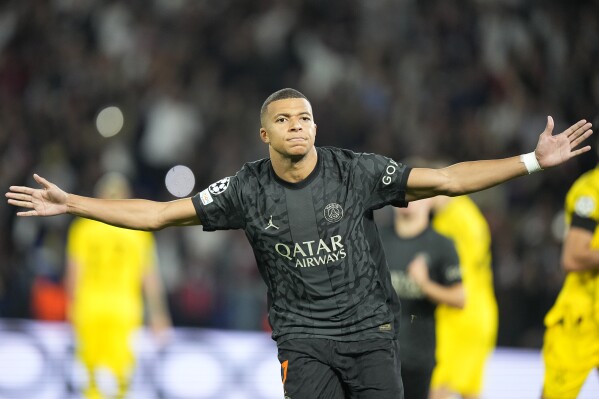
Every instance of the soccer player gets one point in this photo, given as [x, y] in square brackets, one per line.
[425, 271]
[465, 337]
[308, 214]
[108, 271]
[571, 342]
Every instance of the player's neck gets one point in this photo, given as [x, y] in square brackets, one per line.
[409, 227]
[294, 169]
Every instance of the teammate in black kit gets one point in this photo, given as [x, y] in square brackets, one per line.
[308, 213]
[425, 271]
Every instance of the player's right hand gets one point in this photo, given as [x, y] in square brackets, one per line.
[418, 269]
[46, 201]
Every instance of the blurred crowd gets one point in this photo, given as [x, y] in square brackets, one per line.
[447, 80]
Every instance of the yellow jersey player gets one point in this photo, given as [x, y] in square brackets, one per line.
[108, 269]
[571, 343]
[465, 337]
[308, 213]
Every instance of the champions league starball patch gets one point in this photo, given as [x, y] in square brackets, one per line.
[220, 186]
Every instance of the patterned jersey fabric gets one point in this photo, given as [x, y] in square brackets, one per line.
[315, 242]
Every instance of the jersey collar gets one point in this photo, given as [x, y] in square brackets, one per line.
[303, 183]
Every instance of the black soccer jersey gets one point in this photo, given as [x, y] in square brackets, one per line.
[315, 241]
[417, 332]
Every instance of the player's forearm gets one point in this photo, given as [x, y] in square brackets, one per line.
[158, 313]
[452, 296]
[154, 291]
[158, 310]
[580, 261]
[136, 214]
[578, 253]
[462, 178]
[473, 176]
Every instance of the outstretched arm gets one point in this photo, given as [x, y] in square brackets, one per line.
[134, 214]
[467, 177]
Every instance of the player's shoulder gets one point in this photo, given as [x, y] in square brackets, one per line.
[437, 238]
[85, 228]
[465, 203]
[346, 153]
[76, 226]
[253, 177]
[588, 179]
[586, 184]
[583, 195]
[469, 209]
[81, 224]
[253, 171]
[464, 213]
[359, 167]
[341, 154]
[258, 166]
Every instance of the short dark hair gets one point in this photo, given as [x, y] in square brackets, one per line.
[282, 94]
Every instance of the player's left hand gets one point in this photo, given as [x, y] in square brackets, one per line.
[553, 150]
[161, 330]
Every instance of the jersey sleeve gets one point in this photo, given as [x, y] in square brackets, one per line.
[383, 180]
[450, 263]
[583, 207]
[219, 206]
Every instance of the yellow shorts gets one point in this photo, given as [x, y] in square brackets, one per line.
[106, 342]
[464, 342]
[570, 352]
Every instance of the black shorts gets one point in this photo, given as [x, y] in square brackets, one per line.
[326, 369]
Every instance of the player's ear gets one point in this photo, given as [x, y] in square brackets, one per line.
[264, 136]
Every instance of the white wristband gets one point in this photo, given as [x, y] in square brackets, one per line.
[531, 163]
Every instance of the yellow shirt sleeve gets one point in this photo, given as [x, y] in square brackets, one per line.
[577, 296]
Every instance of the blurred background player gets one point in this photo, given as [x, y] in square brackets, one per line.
[571, 344]
[465, 337]
[425, 272]
[108, 271]
[309, 304]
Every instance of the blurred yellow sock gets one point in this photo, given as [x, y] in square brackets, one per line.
[93, 393]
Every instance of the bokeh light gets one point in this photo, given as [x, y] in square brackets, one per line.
[110, 121]
[179, 181]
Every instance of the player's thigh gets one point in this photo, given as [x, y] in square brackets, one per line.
[109, 345]
[416, 383]
[90, 340]
[370, 369]
[303, 372]
[464, 374]
[461, 361]
[570, 352]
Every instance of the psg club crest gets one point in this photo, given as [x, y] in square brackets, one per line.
[219, 187]
[333, 212]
